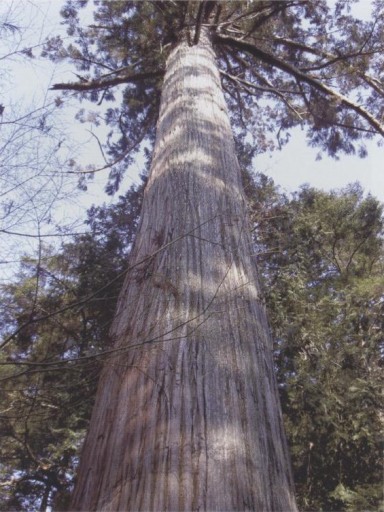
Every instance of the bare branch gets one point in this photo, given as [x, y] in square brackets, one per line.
[301, 76]
[272, 90]
[93, 295]
[373, 82]
[102, 82]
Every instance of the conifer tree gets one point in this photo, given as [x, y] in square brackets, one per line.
[326, 320]
[321, 262]
[54, 323]
[187, 414]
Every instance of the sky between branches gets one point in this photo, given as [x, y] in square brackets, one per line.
[295, 165]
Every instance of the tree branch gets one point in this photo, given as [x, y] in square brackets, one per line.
[199, 22]
[373, 82]
[271, 90]
[102, 82]
[94, 294]
[301, 76]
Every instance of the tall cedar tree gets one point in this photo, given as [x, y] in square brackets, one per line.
[187, 415]
[327, 325]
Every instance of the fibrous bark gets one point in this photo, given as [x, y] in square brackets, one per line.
[187, 414]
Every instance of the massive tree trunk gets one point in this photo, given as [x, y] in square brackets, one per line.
[187, 415]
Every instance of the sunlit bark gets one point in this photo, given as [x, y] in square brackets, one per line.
[190, 419]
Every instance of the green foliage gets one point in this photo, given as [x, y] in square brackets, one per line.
[321, 259]
[283, 64]
[54, 324]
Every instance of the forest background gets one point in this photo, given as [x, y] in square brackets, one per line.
[320, 255]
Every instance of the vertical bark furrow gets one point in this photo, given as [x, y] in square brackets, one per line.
[196, 423]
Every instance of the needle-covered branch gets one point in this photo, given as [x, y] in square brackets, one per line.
[332, 59]
[296, 73]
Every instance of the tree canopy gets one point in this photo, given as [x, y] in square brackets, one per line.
[320, 258]
[283, 64]
[54, 326]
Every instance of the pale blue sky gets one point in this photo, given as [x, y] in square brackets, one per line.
[24, 85]
[296, 164]
[293, 166]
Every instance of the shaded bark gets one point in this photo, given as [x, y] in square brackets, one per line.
[190, 420]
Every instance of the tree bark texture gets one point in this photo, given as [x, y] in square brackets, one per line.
[187, 415]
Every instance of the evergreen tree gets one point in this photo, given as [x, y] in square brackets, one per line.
[327, 334]
[321, 258]
[54, 327]
[187, 413]
[282, 64]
